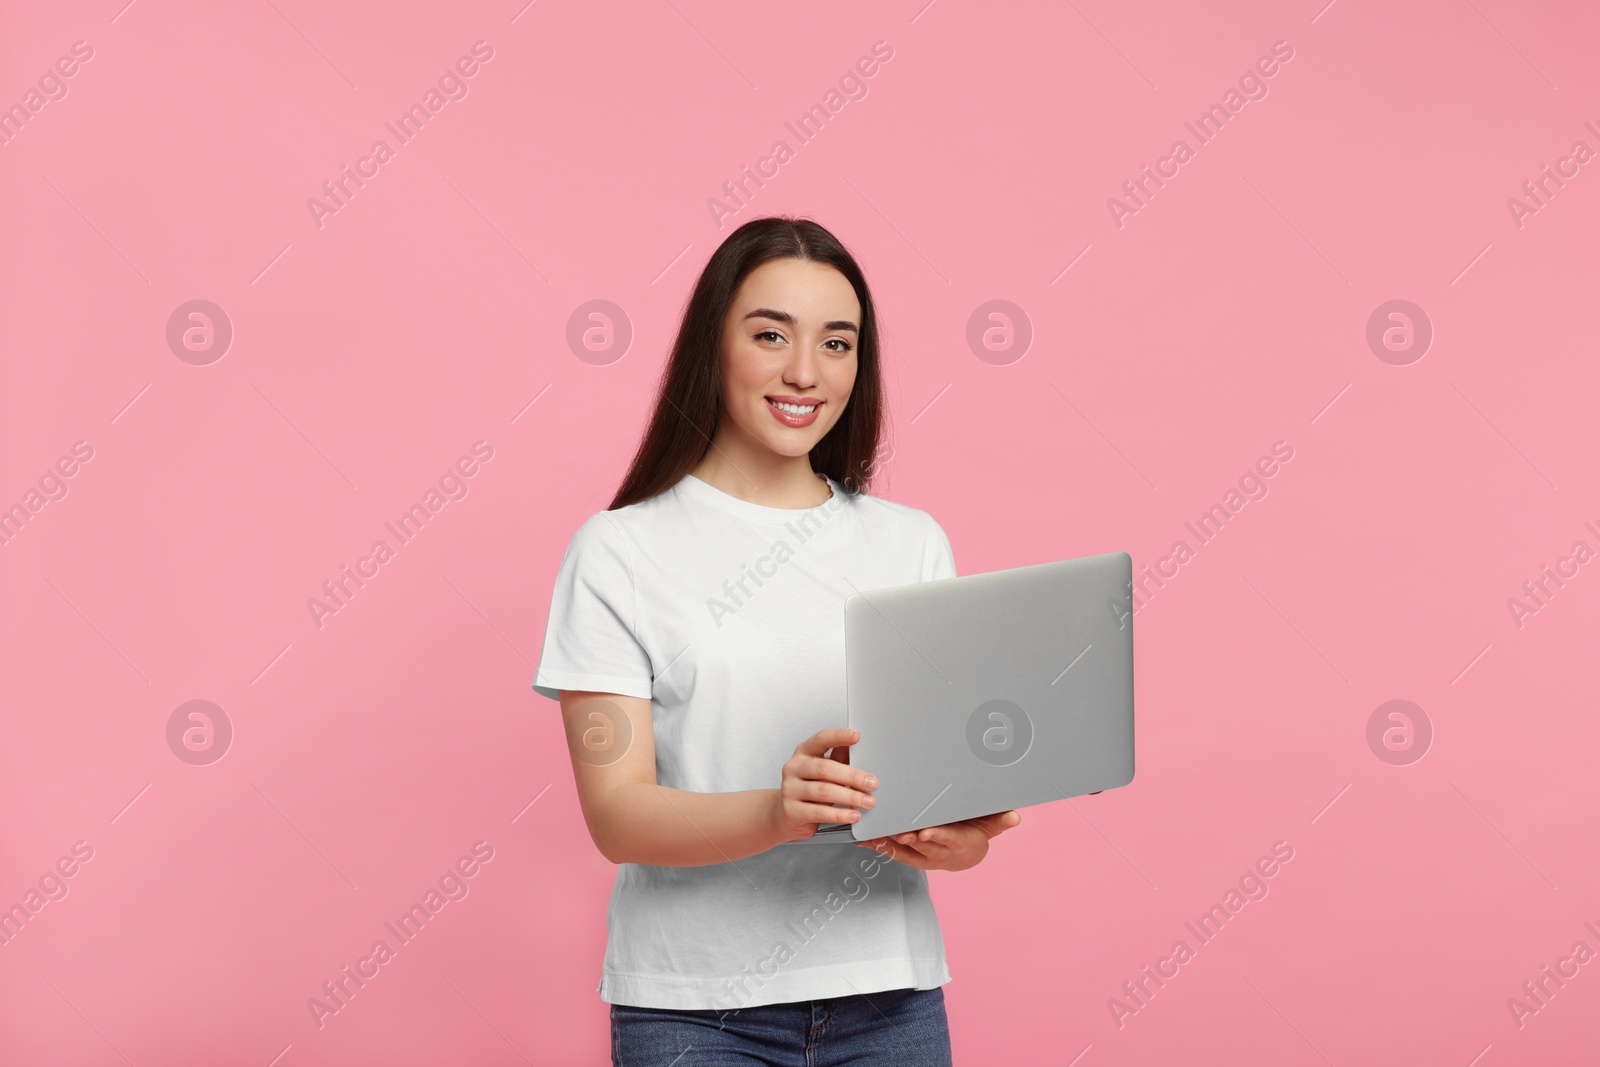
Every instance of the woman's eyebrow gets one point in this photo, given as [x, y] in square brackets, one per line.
[788, 319]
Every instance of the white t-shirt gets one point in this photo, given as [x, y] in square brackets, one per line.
[729, 617]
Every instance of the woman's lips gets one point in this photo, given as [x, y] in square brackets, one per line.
[793, 420]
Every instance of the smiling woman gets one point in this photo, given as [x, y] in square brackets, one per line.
[707, 747]
[789, 364]
[789, 317]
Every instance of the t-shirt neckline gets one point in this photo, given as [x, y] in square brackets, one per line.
[710, 494]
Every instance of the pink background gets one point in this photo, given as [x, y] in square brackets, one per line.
[369, 354]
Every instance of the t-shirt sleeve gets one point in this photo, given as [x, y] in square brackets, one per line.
[938, 560]
[590, 640]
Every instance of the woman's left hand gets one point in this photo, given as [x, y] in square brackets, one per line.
[951, 847]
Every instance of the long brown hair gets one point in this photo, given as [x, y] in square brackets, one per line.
[689, 400]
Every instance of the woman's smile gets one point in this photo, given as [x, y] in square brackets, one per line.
[796, 411]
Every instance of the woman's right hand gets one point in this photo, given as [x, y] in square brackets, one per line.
[814, 781]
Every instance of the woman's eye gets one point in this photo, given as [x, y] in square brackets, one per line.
[777, 338]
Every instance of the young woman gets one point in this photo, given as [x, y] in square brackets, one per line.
[696, 644]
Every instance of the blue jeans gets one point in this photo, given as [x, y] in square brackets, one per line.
[894, 1028]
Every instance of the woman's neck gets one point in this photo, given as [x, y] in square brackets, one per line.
[760, 475]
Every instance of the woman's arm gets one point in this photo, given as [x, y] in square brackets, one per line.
[633, 819]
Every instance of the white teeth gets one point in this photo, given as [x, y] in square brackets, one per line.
[793, 409]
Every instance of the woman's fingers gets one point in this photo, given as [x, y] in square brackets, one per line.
[810, 762]
[819, 785]
[939, 836]
[819, 742]
[822, 813]
[827, 770]
[803, 803]
[835, 794]
[816, 779]
[998, 823]
[820, 769]
[927, 851]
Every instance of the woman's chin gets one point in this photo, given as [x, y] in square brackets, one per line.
[792, 448]
[789, 442]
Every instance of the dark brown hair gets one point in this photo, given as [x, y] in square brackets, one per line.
[689, 400]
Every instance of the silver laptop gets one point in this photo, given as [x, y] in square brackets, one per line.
[987, 692]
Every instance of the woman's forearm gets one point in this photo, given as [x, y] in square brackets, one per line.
[642, 822]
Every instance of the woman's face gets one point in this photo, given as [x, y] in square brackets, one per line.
[789, 338]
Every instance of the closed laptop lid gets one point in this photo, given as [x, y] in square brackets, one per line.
[986, 692]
